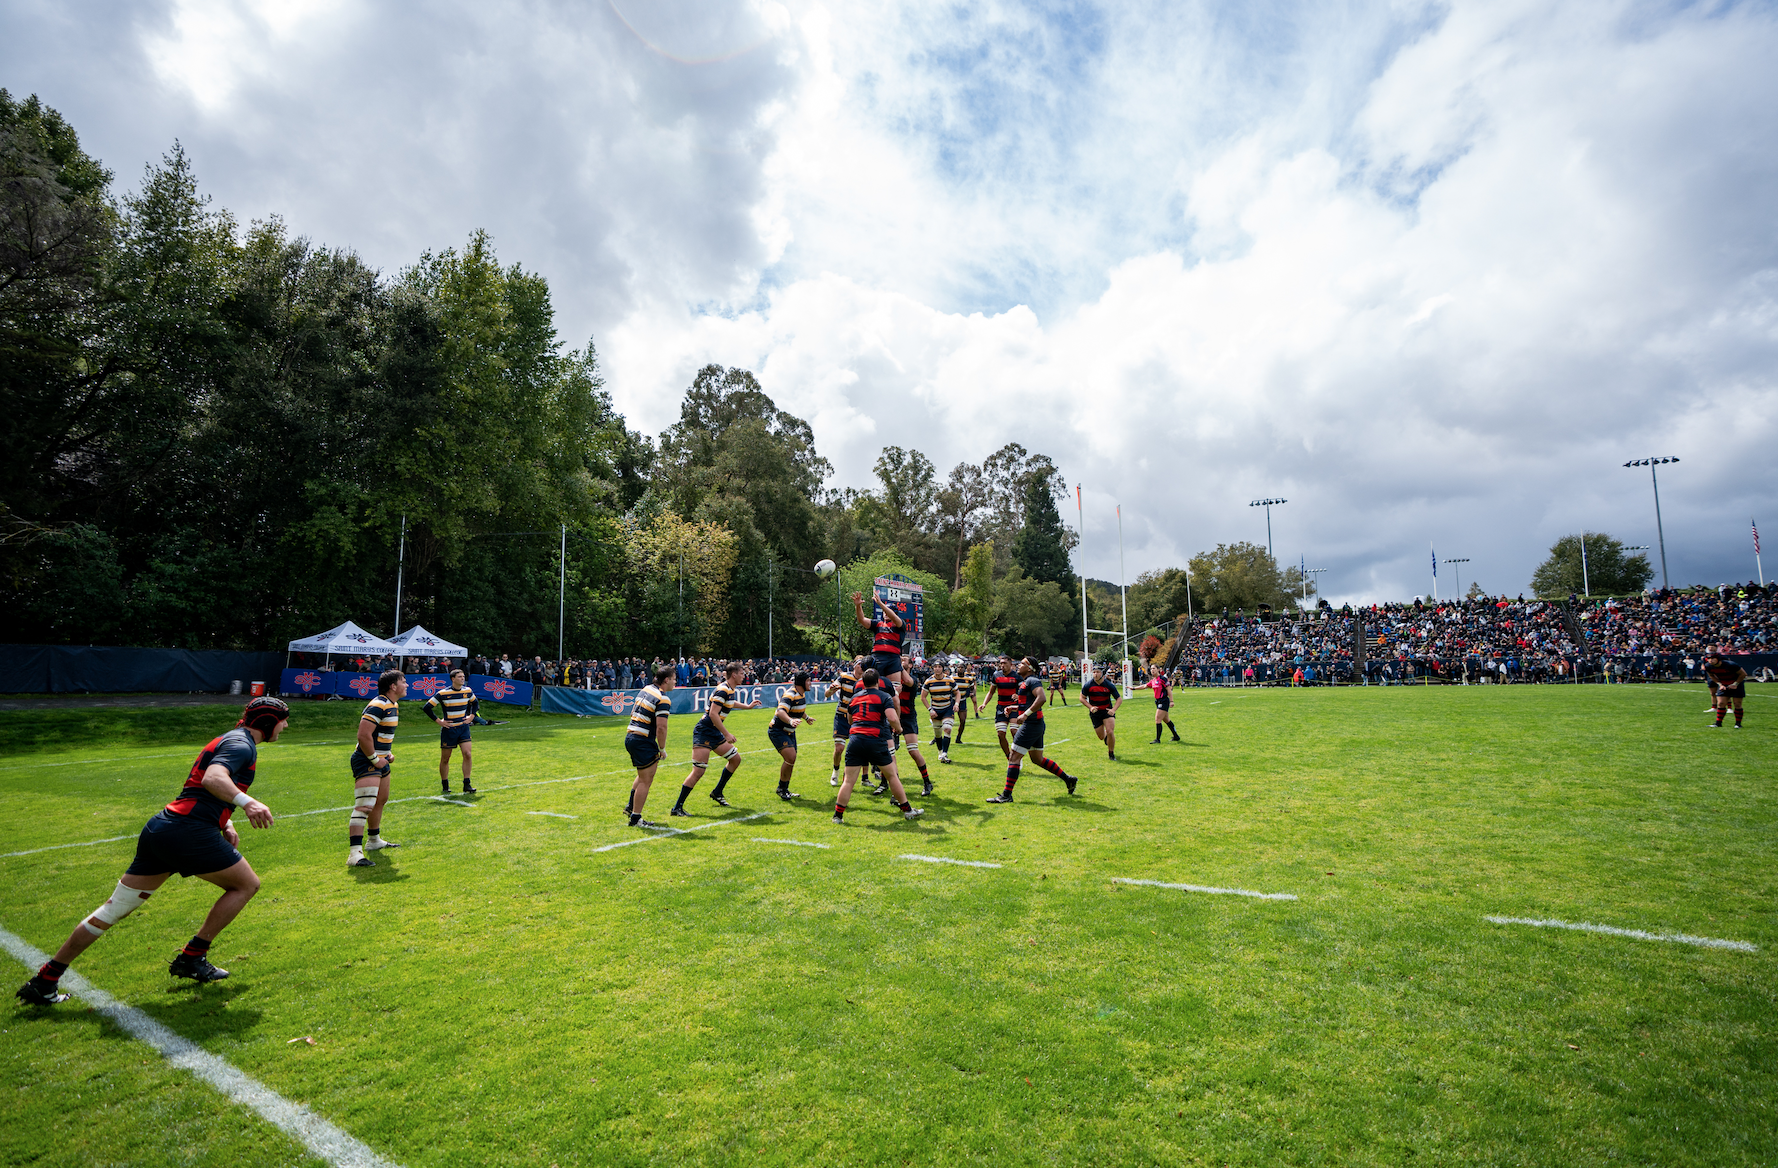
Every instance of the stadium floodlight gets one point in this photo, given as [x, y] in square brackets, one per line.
[1268, 504]
[1459, 560]
[1307, 572]
[1660, 536]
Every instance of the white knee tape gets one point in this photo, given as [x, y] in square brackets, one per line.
[950, 724]
[364, 797]
[124, 901]
[1017, 749]
[732, 752]
[699, 766]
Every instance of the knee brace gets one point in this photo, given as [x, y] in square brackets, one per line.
[124, 901]
[733, 753]
[699, 767]
[363, 799]
[1017, 750]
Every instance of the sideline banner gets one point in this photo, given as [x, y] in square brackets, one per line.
[420, 686]
[621, 702]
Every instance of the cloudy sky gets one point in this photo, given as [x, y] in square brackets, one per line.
[1431, 272]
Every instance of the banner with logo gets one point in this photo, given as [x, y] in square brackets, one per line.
[622, 702]
[420, 686]
[501, 689]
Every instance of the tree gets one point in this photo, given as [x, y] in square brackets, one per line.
[1036, 616]
[1237, 576]
[975, 600]
[1157, 597]
[961, 504]
[1608, 571]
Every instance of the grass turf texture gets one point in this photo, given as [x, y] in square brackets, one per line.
[496, 992]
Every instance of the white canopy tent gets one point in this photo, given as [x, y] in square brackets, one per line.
[348, 638]
[417, 641]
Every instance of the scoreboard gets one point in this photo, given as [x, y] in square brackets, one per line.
[908, 600]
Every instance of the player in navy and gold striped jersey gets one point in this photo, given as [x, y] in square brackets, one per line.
[370, 768]
[646, 739]
[793, 710]
[454, 711]
[1059, 680]
[843, 688]
[940, 696]
[712, 733]
[965, 681]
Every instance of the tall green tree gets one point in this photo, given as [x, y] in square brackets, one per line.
[1608, 571]
[1237, 576]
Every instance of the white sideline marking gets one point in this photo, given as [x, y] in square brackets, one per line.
[1638, 934]
[452, 802]
[82, 844]
[666, 832]
[320, 1137]
[799, 843]
[557, 814]
[1209, 889]
[948, 860]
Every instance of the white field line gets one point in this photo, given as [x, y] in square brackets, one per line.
[452, 802]
[1638, 934]
[1209, 889]
[25, 766]
[553, 814]
[799, 843]
[668, 832]
[948, 860]
[321, 1138]
[404, 799]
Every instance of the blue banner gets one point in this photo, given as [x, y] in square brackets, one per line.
[501, 689]
[620, 702]
[420, 686]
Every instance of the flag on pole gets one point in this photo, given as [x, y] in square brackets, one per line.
[1434, 563]
[1756, 537]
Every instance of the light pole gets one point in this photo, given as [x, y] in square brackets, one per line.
[1660, 536]
[1268, 504]
[1460, 560]
[1307, 572]
[1640, 547]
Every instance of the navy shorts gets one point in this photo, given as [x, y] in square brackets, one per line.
[449, 736]
[910, 724]
[1029, 736]
[1098, 717]
[862, 751]
[704, 734]
[842, 727]
[887, 665]
[182, 844]
[940, 713]
[1003, 716]
[643, 751]
[782, 739]
[362, 766]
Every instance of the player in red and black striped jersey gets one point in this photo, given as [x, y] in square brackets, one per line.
[874, 720]
[1028, 733]
[192, 836]
[1005, 686]
[843, 688]
[910, 733]
[887, 631]
[1728, 685]
[1103, 701]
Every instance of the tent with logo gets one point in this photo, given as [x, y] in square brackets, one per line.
[348, 638]
[418, 642]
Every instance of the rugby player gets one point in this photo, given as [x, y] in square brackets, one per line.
[1163, 705]
[1027, 739]
[843, 687]
[792, 709]
[873, 719]
[965, 697]
[1006, 701]
[886, 633]
[1059, 680]
[1103, 702]
[370, 768]
[192, 836]
[459, 706]
[1728, 685]
[940, 696]
[910, 734]
[712, 733]
[646, 739]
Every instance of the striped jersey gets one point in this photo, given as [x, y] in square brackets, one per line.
[385, 714]
[792, 704]
[1099, 694]
[966, 688]
[1059, 674]
[886, 636]
[453, 704]
[1029, 692]
[722, 700]
[235, 750]
[904, 702]
[870, 714]
[1006, 690]
[652, 706]
[842, 688]
[941, 692]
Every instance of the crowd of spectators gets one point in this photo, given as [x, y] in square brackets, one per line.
[636, 672]
[1659, 635]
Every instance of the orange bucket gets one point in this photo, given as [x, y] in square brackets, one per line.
[258, 689]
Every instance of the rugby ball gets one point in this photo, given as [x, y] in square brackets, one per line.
[825, 569]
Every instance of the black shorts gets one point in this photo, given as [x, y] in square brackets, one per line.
[704, 734]
[781, 738]
[1003, 715]
[842, 727]
[644, 751]
[863, 751]
[1099, 717]
[1732, 691]
[887, 665]
[910, 724]
[362, 766]
[182, 844]
[449, 736]
[1164, 701]
[1029, 736]
[940, 713]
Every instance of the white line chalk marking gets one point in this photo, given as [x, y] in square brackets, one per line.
[948, 860]
[1209, 889]
[667, 832]
[555, 814]
[452, 802]
[320, 1137]
[799, 843]
[83, 844]
[1638, 934]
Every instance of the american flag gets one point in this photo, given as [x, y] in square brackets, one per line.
[1756, 537]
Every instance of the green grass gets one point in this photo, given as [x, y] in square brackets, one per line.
[496, 992]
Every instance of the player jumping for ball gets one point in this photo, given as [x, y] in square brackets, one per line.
[887, 633]
[873, 720]
[1027, 739]
[192, 836]
[1728, 685]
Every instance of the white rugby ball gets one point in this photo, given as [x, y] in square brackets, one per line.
[825, 569]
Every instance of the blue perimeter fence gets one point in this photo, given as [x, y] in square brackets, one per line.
[107, 669]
